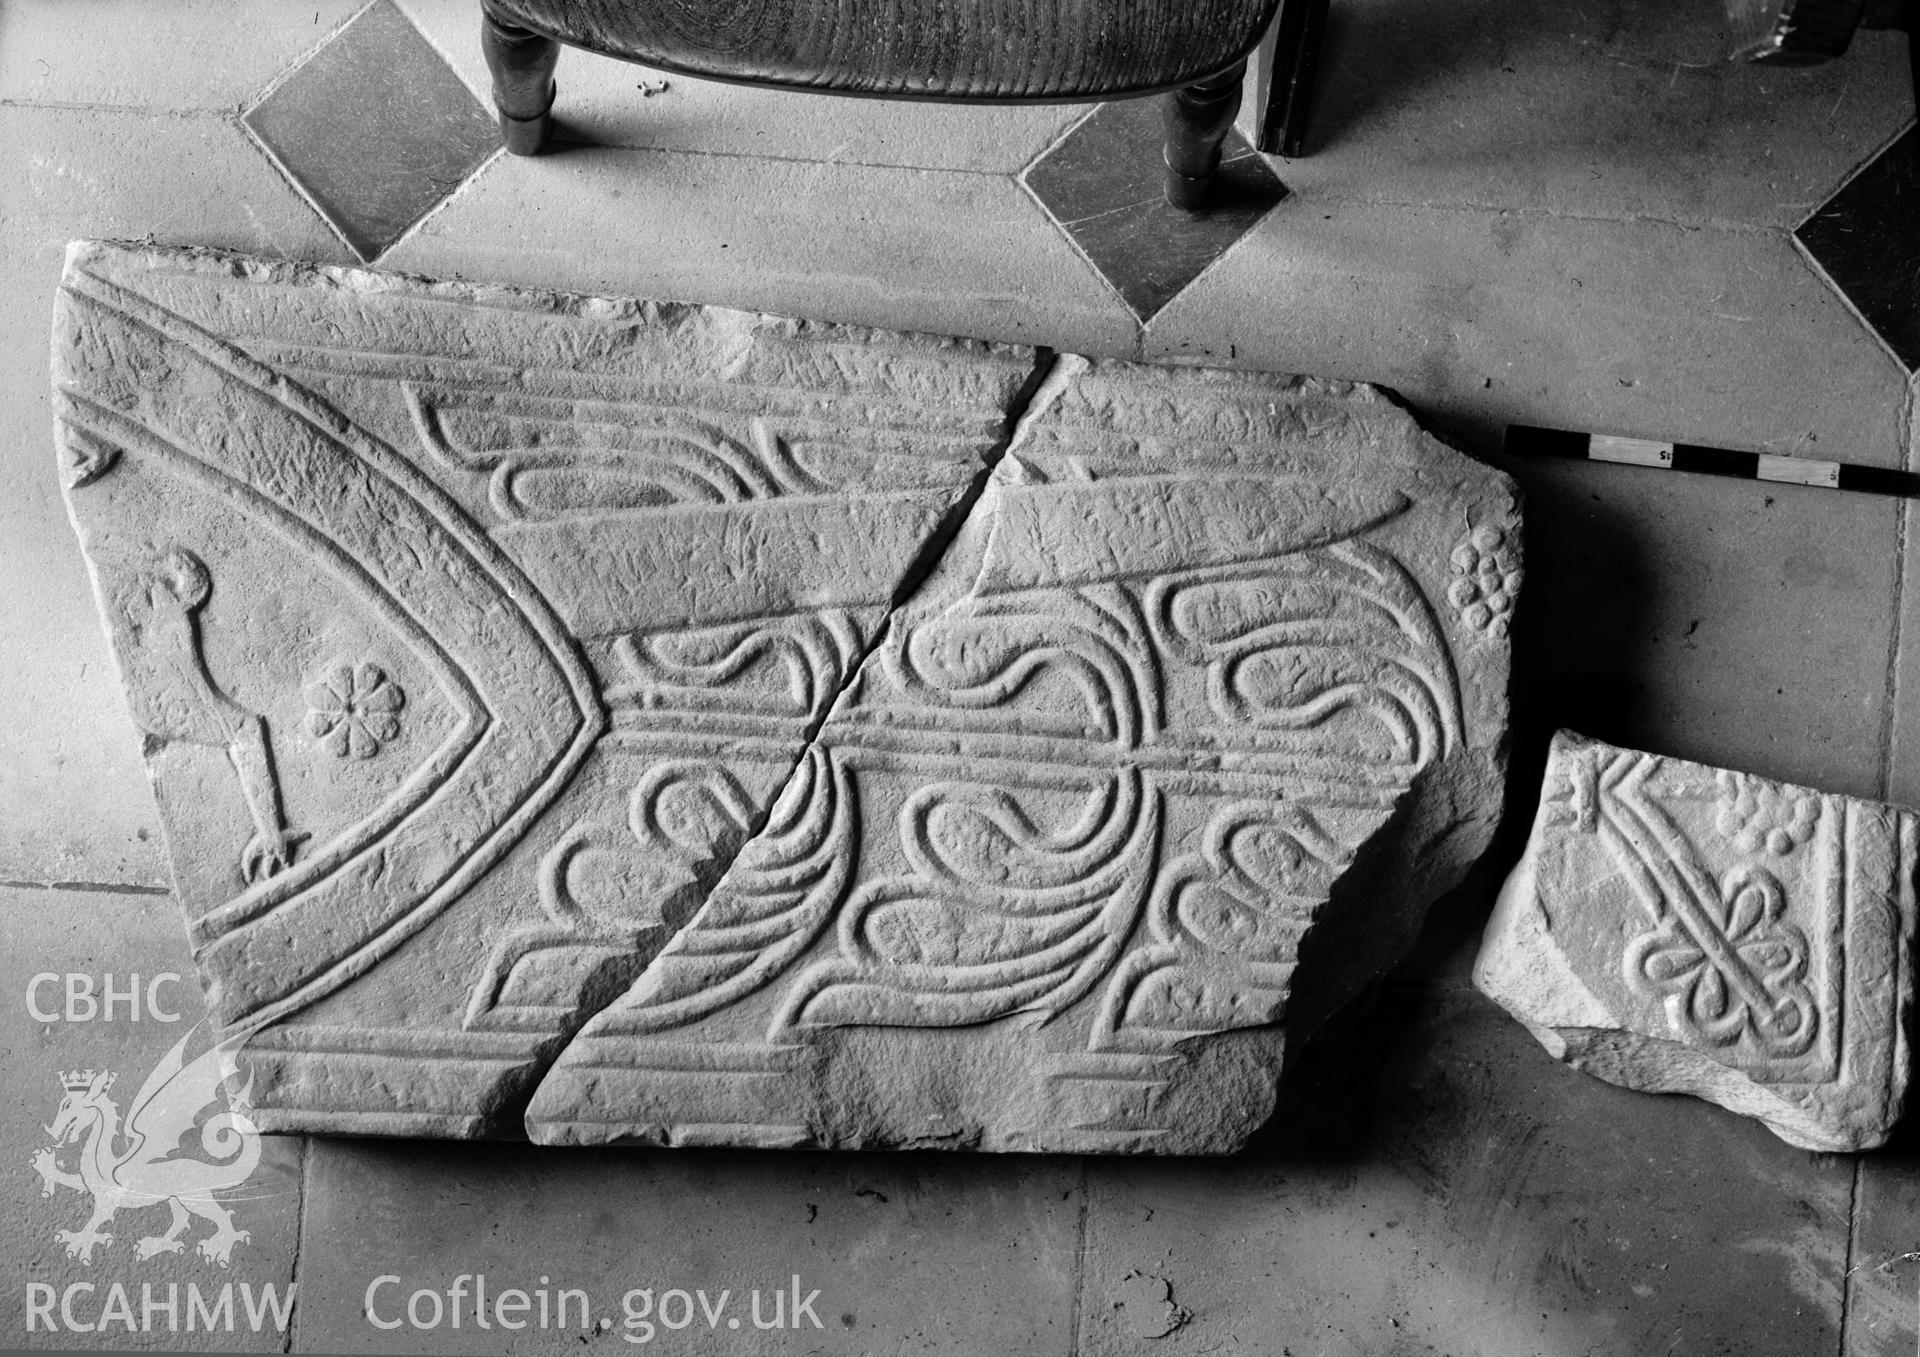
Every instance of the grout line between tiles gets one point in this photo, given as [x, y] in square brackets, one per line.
[248, 105]
[279, 167]
[1859, 168]
[1909, 423]
[1889, 715]
[1140, 322]
[1144, 343]
[1113, 289]
[1546, 213]
[94, 887]
[207, 114]
[1840, 294]
[499, 154]
[414, 227]
[406, 11]
[1076, 1335]
[1054, 144]
[1846, 1266]
[289, 1343]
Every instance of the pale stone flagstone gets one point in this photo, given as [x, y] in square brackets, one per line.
[1684, 929]
[634, 721]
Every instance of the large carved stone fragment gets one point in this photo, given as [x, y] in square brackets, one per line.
[471, 632]
[1198, 711]
[573, 713]
[1684, 929]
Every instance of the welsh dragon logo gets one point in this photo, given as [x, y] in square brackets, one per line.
[131, 1166]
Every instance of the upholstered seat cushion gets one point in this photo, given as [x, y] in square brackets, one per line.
[930, 49]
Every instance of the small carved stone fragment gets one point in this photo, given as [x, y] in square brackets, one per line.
[1684, 929]
[636, 722]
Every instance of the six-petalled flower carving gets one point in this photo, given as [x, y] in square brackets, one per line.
[354, 709]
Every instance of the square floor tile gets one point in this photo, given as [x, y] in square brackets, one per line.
[1863, 238]
[376, 128]
[1103, 184]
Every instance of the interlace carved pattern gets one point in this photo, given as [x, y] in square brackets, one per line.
[1333, 660]
[802, 660]
[998, 915]
[1309, 664]
[546, 459]
[770, 907]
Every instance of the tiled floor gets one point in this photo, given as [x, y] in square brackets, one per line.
[1572, 216]
[1857, 238]
[1101, 182]
[375, 128]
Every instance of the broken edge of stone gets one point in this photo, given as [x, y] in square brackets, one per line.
[1522, 968]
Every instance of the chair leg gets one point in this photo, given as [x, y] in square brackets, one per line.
[522, 63]
[1197, 120]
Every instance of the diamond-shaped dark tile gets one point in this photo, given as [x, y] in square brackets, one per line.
[376, 128]
[1867, 239]
[1102, 184]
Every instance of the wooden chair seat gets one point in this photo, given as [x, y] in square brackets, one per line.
[1016, 50]
[1006, 51]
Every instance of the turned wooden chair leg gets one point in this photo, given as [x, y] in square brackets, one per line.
[1197, 120]
[522, 63]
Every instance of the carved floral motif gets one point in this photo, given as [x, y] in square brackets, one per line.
[1741, 976]
[354, 709]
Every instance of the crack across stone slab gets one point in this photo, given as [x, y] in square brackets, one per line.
[290, 1336]
[1034, 396]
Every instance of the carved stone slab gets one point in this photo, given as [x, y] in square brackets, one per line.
[1200, 642]
[1684, 929]
[471, 632]
[573, 713]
